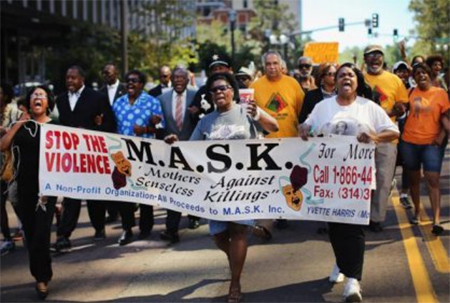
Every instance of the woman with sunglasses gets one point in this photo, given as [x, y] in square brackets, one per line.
[423, 136]
[325, 77]
[230, 121]
[35, 211]
[373, 125]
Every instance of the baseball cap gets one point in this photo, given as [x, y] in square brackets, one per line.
[244, 71]
[218, 60]
[373, 48]
[400, 64]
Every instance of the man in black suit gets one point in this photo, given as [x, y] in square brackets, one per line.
[164, 82]
[114, 90]
[82, 107]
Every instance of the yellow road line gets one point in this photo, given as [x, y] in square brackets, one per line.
[421, 280]
[434, 244]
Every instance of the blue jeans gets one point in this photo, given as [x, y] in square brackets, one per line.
[414, 155]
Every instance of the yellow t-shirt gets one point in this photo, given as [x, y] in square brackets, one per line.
[388, 89]
[283, 100]
[424, 120]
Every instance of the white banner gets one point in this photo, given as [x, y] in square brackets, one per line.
[324, 179]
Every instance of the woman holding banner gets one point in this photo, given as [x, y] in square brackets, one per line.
[349, 105]
[230, 121]
[35, 211]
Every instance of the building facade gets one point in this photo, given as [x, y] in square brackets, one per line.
[32, 29]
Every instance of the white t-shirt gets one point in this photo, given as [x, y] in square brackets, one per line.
[363, 115]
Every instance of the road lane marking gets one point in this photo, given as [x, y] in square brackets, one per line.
[421, 280]
[434, 244]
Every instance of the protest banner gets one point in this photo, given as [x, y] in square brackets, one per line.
[323, 179]
[322, 52]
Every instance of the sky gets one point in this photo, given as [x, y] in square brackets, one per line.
[393, 14]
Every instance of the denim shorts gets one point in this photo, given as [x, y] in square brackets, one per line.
[216, 227]
[414, 155]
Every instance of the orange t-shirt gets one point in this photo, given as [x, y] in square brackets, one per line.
[425, 109]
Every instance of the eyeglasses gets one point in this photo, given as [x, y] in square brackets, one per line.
[35, 95]
[304, 66]
[330, 74]
[164, 76]
[375, 55]
[132, 80]
[221, 88]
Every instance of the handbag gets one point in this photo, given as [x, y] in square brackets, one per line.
[7, 171]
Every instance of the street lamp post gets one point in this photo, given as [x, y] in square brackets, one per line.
[284, 40]
[281, 41]
[232, 18]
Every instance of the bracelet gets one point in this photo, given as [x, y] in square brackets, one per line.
[257, 116]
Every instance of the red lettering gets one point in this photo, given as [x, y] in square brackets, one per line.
[50, 160]
[75, 141]
[49, 139]
[316, 171]
[99, 162]
[86, 139]
[82, 163]
[91, 163]
[66, 162]
[77, 163]
[103, 145]
[106, 165]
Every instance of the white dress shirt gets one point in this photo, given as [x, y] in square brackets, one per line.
[73, 98]
[112, 89]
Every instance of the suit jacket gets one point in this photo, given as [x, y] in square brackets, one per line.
[312, 97]
[121, 90]
[89, 105]
[189, 122]
[156, 91]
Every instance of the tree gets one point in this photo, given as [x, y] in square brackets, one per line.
[87, 46]
[273, 17]
[156, 40]
[215, 38]
[433, 26]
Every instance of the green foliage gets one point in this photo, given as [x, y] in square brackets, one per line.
[215, 38]
[161, 46]
[273, 17]
[349, 55]
[87, 46]
[433, 26]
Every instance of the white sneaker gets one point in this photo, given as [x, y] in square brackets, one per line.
[336, 276]
[352, 291]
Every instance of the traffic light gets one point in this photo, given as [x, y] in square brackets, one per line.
[341, 24]
[395, 34]
[369, 32]
[375, 20]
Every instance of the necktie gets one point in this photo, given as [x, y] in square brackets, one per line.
[179, 112]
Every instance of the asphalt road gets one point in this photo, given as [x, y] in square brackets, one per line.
[402, 264]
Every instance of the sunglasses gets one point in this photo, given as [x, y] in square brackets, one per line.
[304, 65]
[132, 80]
[221, 88]
[330, 74]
